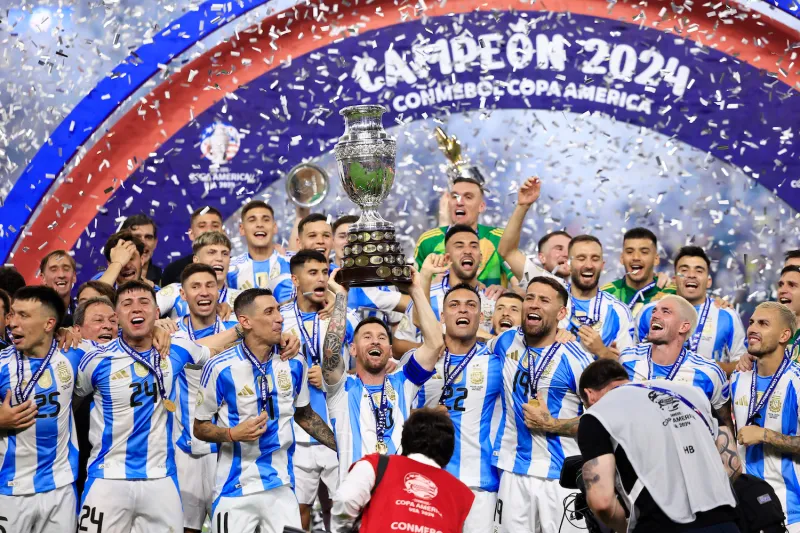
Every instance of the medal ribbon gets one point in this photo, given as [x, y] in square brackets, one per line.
[534, 373]
[678, 397]
[640, 294]
[190, 328]
[380, 414]
[694, 340]
[596, 304]
[145, 361]
[673, 371]
[21, 395]
[263, 370]
[311, 344]
[753, 408]
[449, 378]
[223, 294]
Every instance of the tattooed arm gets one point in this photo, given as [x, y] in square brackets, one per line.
[724, 416]
[781, 442]
[432, 338]
[726, 445]
[332, 362]
[313, 424]
[538, 418]
[598, 476]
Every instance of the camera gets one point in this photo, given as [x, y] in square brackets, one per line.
[572, 478]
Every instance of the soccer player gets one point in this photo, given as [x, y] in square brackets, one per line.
[553, 248]
[719, 335]
[145, 228]
[339, 229]
[371, 406]
[212, 248]
[468, 383]
[789, 295]
[639, 286]
[261, 266]
[58, 271]
[465, 205]
[665, 355]
[765, 404]
[253, 395]
[597, 318]
[314, 233]
[5, 309]
[38, 449]
[203, 219]
[540, 412]
[123, 251]
[792, 258]
[312, 461]
[132, 477]
[507, 312]
[95, 289]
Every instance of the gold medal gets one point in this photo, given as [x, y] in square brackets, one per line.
[381, 448]
[169, 405]
[534, 402]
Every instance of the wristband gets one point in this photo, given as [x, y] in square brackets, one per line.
[230, 435]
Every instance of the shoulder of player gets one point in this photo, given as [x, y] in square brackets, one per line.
[100, 352]
[239, 259]
[434, 233]
[574, 350]
[707, 364]
[634, 353]
[612, 287]
[220, 362]
[173, 289]
[793, 372]
[287, 308]
[490, 231]
[616, 304]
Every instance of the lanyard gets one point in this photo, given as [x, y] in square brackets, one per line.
[311, 344]
[223, 294]
[535, 374]
[753, 408]
[449, 378]
[640, 294]
[20, 394]
[263, 369]
[597, 305]
[678, 397]
[190, 328]
[155, 369]
[380, 413]
[694, 340]
[673, 370]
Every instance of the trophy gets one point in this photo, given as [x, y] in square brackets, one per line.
[366, 157]
[306, 185]
[460, 166]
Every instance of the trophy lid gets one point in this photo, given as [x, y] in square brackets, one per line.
[364, 123]
[459, 169]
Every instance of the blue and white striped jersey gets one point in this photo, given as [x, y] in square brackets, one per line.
[131, 432]
[316, 396]
[43, 457]
[352, 417]
[475, 407]
[231, 392]
[695, 370]
[272, 273]
[721, 340]
[171, 305]
[615, 321]
[780, 414]
[186, 395]
[518, 449]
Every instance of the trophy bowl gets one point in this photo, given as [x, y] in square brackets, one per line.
[307, 185]
[365, 155]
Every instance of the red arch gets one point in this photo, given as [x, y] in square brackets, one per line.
[130, 141]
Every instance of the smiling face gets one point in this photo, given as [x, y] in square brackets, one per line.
[639, 257]
[766, 332]
[466, 203]
[667, 323]
[200, 292]
[99, 323]
[137, 313]
[692, 279]
[217, 257]
[586, 264]
[542, 310]
[461, 314]
[311, 277]
[464, 252]
[258, 227]
[263, 319]
[554, 255]
[32, 324]
[204, 223]
[317, 236]
[372, 348]
[59, 274]
[789, 291]
[147, 233]
[507, 314]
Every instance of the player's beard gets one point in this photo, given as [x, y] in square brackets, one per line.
[537, 331]
[762, 350]
[582, 284]
[465, 277]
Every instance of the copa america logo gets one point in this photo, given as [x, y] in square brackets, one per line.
[220, 142]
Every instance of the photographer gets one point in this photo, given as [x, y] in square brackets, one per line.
[668, 469]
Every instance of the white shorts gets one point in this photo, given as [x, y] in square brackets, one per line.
[46, 512]
[313, 462]
[270, 510]
[196, 479]
[122, 505]
[533, 505]
[481, 514]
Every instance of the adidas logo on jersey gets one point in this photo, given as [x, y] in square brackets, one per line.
[246, 391]
[120, 374]
[742, 402]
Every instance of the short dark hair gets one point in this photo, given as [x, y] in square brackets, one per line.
[255, 204]
[790, 268]
[200, 211]
[58, 254]
[553, 284]
[5, 299]
[133, 286]
[48, 297]
[195, 268]
[460, 287]
[346, 219]
[791, 254]
[599, 374]
[140, 220]
[304, 256]
[371, 320]
[247, 297]
[692, 251]
[458, 228]
[10, 279]
[124, 235]
[641, 233]
[80, 313]
[577, 239]
[469, 180]
[310, 219]
[431, 433]
[211, 238]
[549, 236]
[512, 294]
[99, 286]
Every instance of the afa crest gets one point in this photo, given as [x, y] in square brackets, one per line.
[63, 373]
[775, 403]
[284, 381]
[476, 376]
